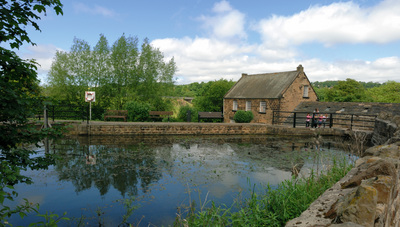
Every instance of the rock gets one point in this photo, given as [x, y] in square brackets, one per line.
[382, 184]
[358, 207]
[380, 215]
[347, 224]
[385, 151]
[396, 120]
[369, 170]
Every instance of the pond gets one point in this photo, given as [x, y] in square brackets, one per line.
[98, 180]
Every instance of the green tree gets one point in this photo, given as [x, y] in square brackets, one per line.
[321, 93]
[347, 91]
[17, 15]
[124, 56]
[388, 92]
[19, 93]
[117, 74]
[210, 97]
[156, 76]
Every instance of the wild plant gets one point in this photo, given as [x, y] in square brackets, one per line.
[272, 207]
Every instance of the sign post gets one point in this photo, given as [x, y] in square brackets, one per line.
[90, 96]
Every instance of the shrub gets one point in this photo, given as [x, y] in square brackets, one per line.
[137, 111]
[242, 116]
[182, 114]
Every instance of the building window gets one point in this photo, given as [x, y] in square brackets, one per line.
[235, 106]
[263, 107]
[248, 105]
[305, 91]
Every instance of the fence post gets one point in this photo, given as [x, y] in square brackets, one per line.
[351, 122]
[53, 106]
[45, 116]
[188, 116]
[294, 120]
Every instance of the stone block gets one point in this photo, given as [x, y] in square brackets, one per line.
[358, 207]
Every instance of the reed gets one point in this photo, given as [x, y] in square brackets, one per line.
[271, 207]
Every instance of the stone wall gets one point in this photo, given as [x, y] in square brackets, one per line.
[293, 96]
[271, 105]
[127, 129]
[369, 195]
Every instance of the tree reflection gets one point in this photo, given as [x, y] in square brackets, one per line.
[124, 168]
[136, 163]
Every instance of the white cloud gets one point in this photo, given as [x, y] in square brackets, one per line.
[214, 57]
[96, 10]
[379, 70]
[227, 23]
[226, 53]
[343, 22]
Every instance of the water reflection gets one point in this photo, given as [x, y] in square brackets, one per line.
[161, 172]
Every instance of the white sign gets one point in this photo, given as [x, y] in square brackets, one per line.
[90, 96]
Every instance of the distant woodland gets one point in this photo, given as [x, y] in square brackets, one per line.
[348, 90]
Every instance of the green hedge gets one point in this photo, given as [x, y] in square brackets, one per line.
[242, 116]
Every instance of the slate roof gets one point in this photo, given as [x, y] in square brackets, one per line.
[267, 85]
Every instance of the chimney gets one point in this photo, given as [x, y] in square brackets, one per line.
[300, 68]
[244, 74]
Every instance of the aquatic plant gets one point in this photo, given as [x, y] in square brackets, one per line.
[274, 207]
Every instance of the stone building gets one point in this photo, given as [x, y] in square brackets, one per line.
[265, 93]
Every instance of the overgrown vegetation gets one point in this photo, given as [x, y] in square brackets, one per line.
[274, 207]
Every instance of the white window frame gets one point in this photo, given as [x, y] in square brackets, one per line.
[305, 91]
[248, 105]
[235, 105]
[263, 106]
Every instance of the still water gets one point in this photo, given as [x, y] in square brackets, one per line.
[97, 179]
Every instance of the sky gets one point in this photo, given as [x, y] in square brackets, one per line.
[212, 40]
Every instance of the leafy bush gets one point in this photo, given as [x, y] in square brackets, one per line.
[182, 114]
[242, 116]
[137, 111]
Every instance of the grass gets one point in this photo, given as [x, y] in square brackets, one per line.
[272, 207]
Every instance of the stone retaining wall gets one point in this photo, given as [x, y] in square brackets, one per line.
[127, 129]
[369, 195]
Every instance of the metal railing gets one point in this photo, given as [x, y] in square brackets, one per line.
[352, 121]
[63, 112]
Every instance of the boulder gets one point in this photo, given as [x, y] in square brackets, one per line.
[358, 207]
[371, 169]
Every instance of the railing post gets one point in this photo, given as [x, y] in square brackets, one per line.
[53, 106]
[188, 116]
[313, 121]
[330, 120]
[45, 116]
[273, 117]
[351, 122]
[294, 120]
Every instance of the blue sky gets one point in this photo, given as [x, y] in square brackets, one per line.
[210, 40]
